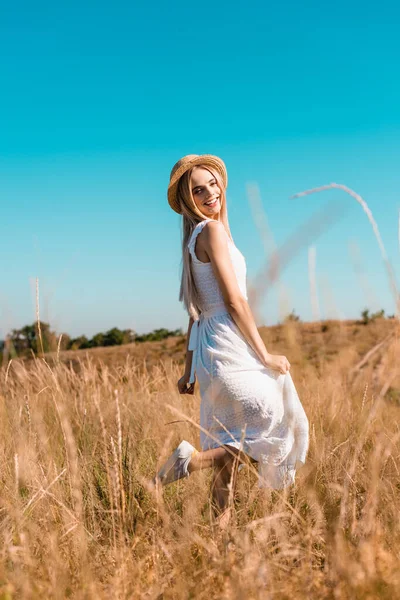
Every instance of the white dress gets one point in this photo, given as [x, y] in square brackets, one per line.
[243, 403]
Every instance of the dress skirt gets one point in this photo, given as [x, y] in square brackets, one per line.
[245, 404]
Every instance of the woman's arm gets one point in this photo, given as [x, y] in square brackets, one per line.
[183, 384]
[215, 244]
[189, 353]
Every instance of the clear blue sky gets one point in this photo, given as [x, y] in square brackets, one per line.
[98, 102]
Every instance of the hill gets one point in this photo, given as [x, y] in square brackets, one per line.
[303, 343]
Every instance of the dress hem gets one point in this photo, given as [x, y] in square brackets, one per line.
[270, 476]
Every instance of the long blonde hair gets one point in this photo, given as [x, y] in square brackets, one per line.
[191, 216]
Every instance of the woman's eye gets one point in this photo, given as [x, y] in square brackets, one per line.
[200, 190]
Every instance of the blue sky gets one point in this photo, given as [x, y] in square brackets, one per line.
[99, 101]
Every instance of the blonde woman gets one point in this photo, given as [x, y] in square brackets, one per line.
[250, 410]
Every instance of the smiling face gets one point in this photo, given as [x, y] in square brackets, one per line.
[206, 192]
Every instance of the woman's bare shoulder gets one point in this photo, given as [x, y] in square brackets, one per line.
[212, 233]
[213, 230]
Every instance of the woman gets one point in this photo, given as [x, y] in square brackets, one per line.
[249, 406]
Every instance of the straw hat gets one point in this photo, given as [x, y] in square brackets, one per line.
[186, 163]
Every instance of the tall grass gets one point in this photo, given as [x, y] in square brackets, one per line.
[78, 518]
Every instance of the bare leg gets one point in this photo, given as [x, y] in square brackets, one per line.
[216, 457]
[223, 481]
[225, 461]
[207, 459]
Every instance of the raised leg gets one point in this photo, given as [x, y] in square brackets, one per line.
[207, 459]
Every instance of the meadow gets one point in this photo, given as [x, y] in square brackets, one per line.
[83, 432]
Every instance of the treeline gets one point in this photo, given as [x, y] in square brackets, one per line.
[28, 339]
[367, 316]
[117, 337]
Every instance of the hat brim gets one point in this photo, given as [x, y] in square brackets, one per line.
[207, 160]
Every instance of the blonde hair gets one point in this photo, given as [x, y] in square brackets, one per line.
[191, 216]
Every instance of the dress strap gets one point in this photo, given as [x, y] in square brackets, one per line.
[192, 242]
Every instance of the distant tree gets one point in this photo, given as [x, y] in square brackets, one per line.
[79, 343]
[27, 338]
[114, 337]
[4, 351]
[65, 341]
[129, 336]
[292, 317]
[365, 316]
[97, 340]
[158, 335]
[177, 332]
[380, 314]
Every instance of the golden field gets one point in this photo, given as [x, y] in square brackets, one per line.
[83, 432]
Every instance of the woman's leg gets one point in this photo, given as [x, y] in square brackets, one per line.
[225, 461]
[207, 459]
[224, 479]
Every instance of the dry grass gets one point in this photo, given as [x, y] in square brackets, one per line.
[80, 438]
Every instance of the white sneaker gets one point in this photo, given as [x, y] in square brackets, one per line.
[176, 467]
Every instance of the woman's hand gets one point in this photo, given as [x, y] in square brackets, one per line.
[277, 363]
[184, 386]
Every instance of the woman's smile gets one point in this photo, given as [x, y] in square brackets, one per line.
[212, 202]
